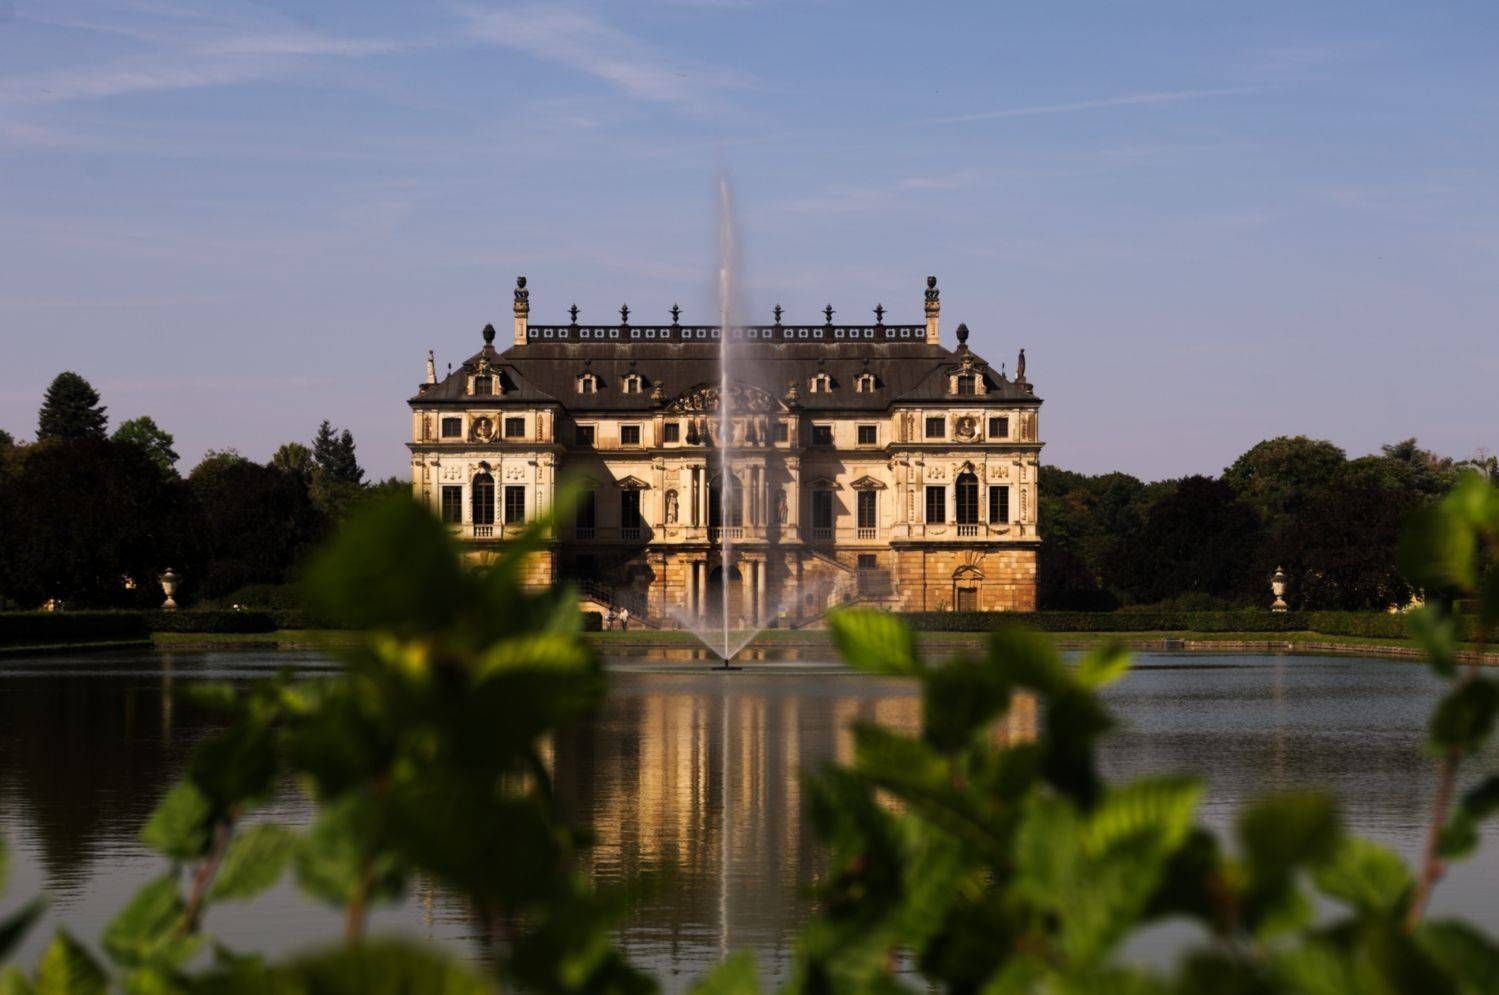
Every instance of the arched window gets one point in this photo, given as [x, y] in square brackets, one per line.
[821, 384]
[717, 506]
[632, 383]
[483, 499]
[865, 384]
[588, 383]
[967, 495]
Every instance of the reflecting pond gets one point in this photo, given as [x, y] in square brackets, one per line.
[693, 773]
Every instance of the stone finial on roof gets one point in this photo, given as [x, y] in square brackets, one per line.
[793, 395]
[624, 316]
[572, 312]
[658, 396]
[777, 312]
[676, 315]
[933, 311]
[431, 367]
[879, 315]
[828, 313]
[489, 333]
[962, 335]
[522, 298]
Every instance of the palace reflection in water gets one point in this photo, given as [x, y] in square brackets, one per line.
[692, 778]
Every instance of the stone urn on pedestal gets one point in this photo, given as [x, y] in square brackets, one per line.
[1278, 588]
[169, 581]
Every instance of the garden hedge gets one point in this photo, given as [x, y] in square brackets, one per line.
[59, 628]
[1379, 625]
[211, 621]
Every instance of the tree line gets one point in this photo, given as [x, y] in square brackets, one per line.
[91, 518]
[1292, 503]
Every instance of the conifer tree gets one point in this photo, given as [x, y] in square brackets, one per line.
[70, 410]
[333, 452]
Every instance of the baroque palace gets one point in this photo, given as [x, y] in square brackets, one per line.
[867, 462]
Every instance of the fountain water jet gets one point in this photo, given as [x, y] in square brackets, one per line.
[727, 641]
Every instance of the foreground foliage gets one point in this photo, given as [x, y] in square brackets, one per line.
[985, 853]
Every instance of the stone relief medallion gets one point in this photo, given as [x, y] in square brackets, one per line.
[966, 427]
[483, 429]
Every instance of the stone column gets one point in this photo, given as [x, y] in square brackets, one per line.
[760, 592]
[794, 493]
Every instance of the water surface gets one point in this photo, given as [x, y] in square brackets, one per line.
[691, 772]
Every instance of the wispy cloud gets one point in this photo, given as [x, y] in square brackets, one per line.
[1124, 100]
[173, 54]
[582, 42]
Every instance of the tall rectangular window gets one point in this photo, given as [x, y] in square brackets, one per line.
[936, 427]
[936, 504]
[515, 504]
[629, 435]
[583, 436]
[868, 505]
[671, 432]
[587, 510]
[868, 435]
[999, 505]
[822, 435]
[515, 428]
[483, 386]
[452, 504]
[999, 427]
[452, 428]
[629, 510]
[822, 509]
[783, 432]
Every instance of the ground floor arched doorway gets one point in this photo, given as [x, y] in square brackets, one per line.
[715, 595]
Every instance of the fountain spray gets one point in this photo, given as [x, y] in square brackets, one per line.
[725, 423]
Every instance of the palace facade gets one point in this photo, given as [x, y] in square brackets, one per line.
[867, 462]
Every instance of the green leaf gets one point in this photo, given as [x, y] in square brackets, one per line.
[1465, 716]
[68, 969]
[1314, 968]
[1366, 876]
[1159, 810]
[140, 931]
[736, 975]
[1488, 599]
[1028, 659]
[13, 927]
[874, 641]
[330, 857]
[1436, 633]
[254, 861]
[180, 826]
[378, 967]
[14, 982]
[1463, 952]
[1437, 550]
[1286, 831]
[1103, 665]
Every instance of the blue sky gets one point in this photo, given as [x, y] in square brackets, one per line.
[1206, 223]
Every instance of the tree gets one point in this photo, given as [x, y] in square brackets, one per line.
[7, 441]
[156, 443]
[333, 451]
[1431, 474]
[253, 524]
[293, 459]
[70, 410]
[78, 517]
[1201, 539]
[1277, 475]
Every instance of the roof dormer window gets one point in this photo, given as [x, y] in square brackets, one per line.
[965, 384]
[865, 383]
[821, 383]
[588, 383]
[483, 386]
[632, 383]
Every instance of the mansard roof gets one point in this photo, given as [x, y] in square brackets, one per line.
[546, 370]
